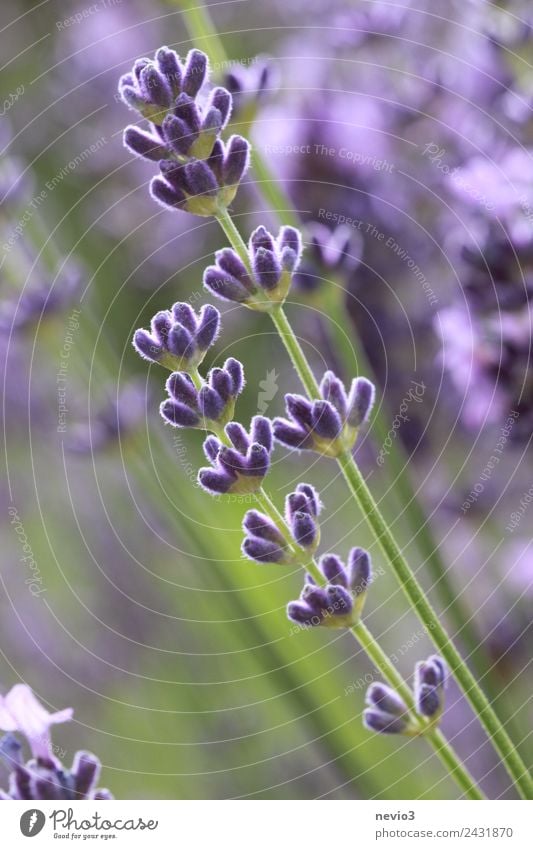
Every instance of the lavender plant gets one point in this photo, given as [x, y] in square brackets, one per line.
[327, 421]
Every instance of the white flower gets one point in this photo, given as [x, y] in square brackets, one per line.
[20, 711]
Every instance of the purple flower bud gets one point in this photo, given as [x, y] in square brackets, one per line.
[138, 66]
[224, 286]
[177, 135]
[326, 422]
[262, 550]
[195, 72]
[261, 238]
[200, 179]
[236, 160]
[302, 613]
[154, 87]
[146, 346]
[339, 600]
[359, 570]
[211, 448]
[299, 409]
[170, 67]
[216, 483]
[312, 496]
[258, 461]
[208, 327]
[304, 529]
[262, 432]
[290, 237]
[291, 435]
[428, 700]
[221, 383]
[180, 342]
[441, 669]
[266, 268]
[165, 194]
[384, 698]
[258, 525]
[333, 391]
[187, 112]
[161, 325]
[210, 403]
[221, 100]
[360, 401]
[212, 122]
[333, 570]
[183, 313]
[144, 144]
[231, 461]
[383, 723]
[236, 372]
[230, 262]
[294, 503]
[288, 260]
[181, 387]
[85, 771]
[429, 682]
[238, 436]
[178, 414]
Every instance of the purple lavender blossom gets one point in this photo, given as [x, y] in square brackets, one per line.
[430, 680]
[241, 466]
[386, 712]
[179, 338]
[213, 403]
[199, 173]
[153, 86]
[339, 603]
[265, 280]
[203, 187]
[329, 424]
[264, 541]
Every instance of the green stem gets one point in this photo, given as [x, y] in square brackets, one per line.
[412, 589]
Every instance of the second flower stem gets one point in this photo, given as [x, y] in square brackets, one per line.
[415, 594]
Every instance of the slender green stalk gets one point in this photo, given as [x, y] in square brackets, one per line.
[412, 589]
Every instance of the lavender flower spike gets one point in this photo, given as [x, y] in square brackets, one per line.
[241, 467]
[336, 605]
[430, 679]
[328, 425]
[265, 283]
[209, 407]
[179, 339]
